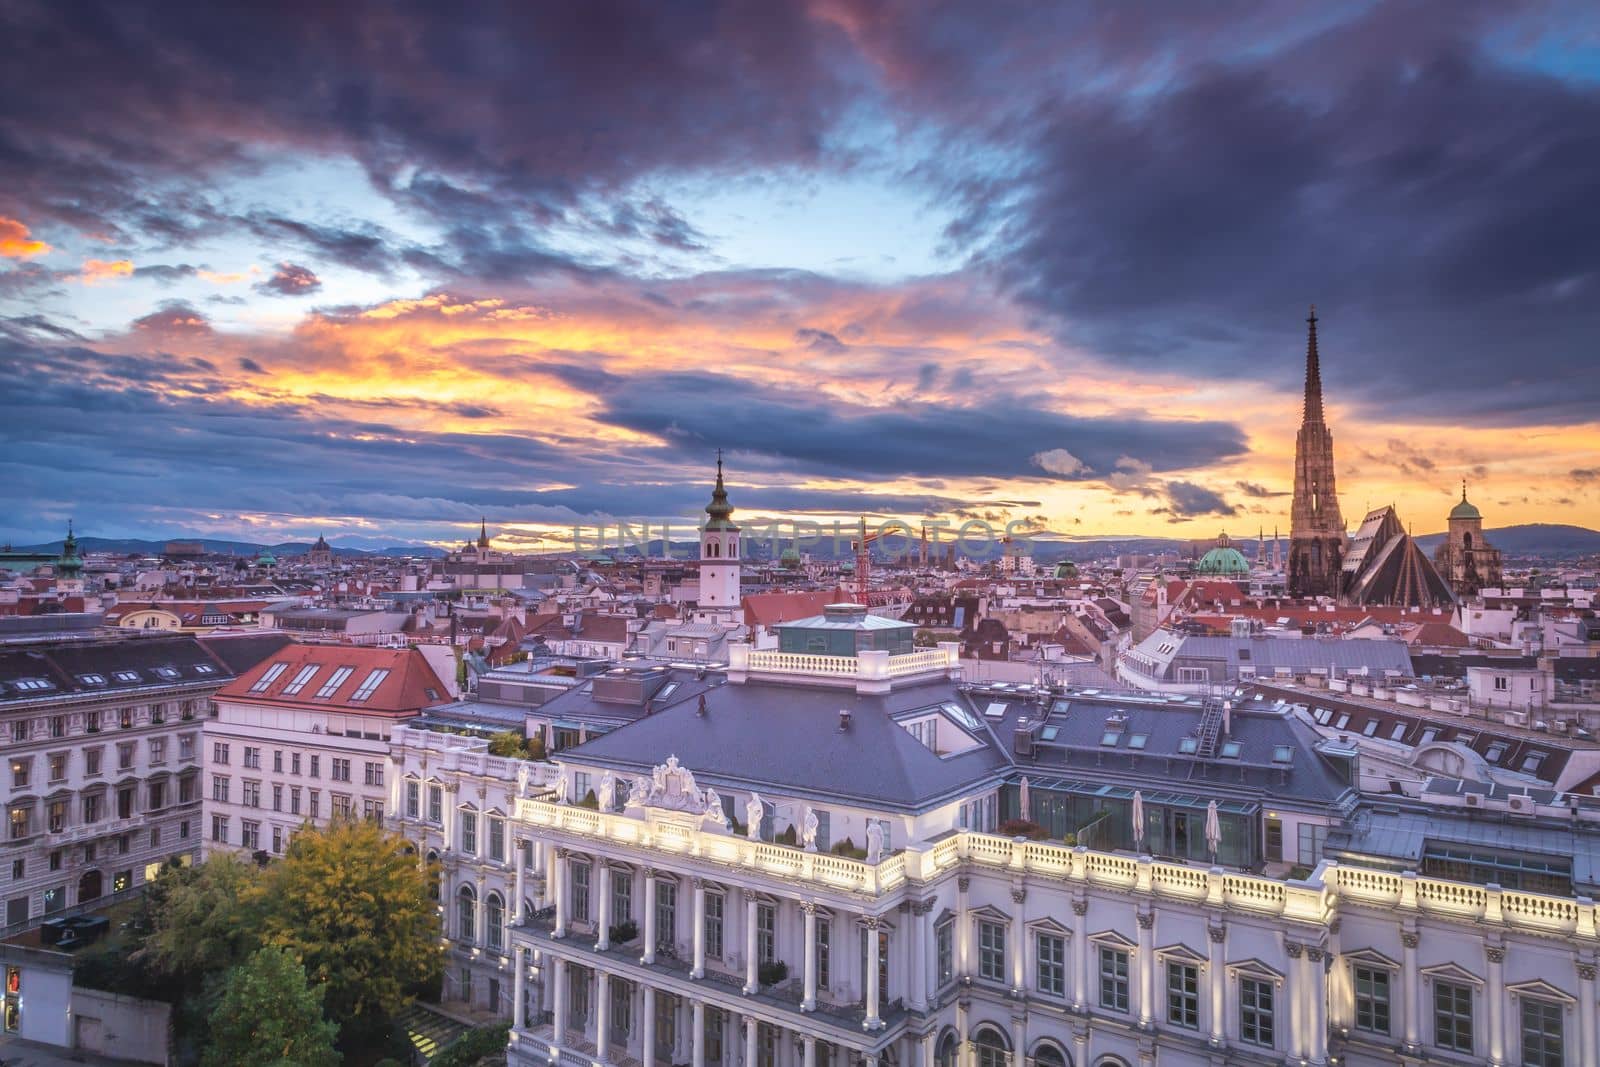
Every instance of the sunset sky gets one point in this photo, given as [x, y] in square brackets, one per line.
[376, 270]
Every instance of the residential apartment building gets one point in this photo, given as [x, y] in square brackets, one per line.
[303, 737]
[102, 773]
[817, 859]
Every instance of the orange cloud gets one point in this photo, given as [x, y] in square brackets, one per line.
[17, 243]
[219, 278]
[100, 270]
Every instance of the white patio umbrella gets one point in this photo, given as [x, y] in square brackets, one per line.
[1138, 820]
[1022, 799]
[1213, 830]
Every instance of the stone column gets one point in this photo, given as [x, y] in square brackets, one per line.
[809, 969]
[1217, 981]
[1295, 983]
[963, 928]
[1146, 968]
[749, 1041]
[517, 916]
[1497, 1005]
[872, 1022]
[1018, 947]
[808, 1054]
[918, 979]
[649, 924]
[1019, 1040]
[602, 937]
[480, 936]
[752, 980]
[602, 1015]
[519, 989]
[697, 1034]
[1411, 990]
[1587, 1050]
[1316, 1002]
[558, 874]
[699, 969]
[1080, 956]
[558, 1000]
[647, 1027]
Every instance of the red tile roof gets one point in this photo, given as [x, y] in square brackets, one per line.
[409, 686]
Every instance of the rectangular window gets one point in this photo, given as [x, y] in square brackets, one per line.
[219, 829]
[277, 797]
[436, 805]
[58, 766]
[158, 750]
[368, 686]
[373, 773]
[252, 758]
[219, 753]
[125, 803]
[1183, 995]
[1372, 1000]
[219, 788]
[621, 893]
[315, 802]
[413, 799]
[19, 729]
[1052, 965]
[469, 832]
[250, 834]
[944, 936]
[766, 933]
[91, 807]
[666, 1025]
[125, 756]
[1452, 1016]
[714, 904]
[340, 769]
[666, 915]
[824, 953]
[294, 800]
[91, 761]
[1274, 841]
[1113, 979]
[298, 682]
[335, 680]
[158, 795]
[252, 795]
[1311, 841]
[1255, 1012]
[294, 763]
[621, 992]
[316, 766]
[580, 891]
[20, 770]
[1542, 1039]
[497, 850]
[992, 951]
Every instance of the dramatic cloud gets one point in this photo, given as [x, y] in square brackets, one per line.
[291, 279]
[1059, 461]
[96, 271]
[16, 242]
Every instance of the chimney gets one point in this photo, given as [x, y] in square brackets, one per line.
[844, 719]
[1227, 718]
[700, 709]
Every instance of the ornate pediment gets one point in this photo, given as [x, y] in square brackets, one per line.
[671, 787]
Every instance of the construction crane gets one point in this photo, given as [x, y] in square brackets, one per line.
[863, 549]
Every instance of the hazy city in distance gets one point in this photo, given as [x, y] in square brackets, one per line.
[820, 533]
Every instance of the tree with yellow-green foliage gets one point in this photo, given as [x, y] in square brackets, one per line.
[269, 1015]
[351, 903]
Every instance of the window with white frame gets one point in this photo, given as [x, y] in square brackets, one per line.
[1113, 978]
[1543, 1042]
[1183, 994]
[1372, 999]
[1256, 1021]
[1051, 971]
[1452, 1016]
[992, 950]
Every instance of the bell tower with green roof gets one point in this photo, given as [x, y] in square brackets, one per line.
[719, 554]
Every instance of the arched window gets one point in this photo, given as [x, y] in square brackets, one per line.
[991, 1048]
[467, 914]
[494, 915]
[433, 883]
[1049, 1054]
[946, 1054]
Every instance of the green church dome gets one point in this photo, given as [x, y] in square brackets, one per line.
[1465, 510]
[1223, 562]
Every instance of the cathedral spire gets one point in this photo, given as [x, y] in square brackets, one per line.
[1313, 407]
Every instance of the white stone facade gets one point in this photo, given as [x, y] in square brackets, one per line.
[1000, 951]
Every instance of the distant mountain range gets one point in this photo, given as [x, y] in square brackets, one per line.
[133, 546]
[1551, 541]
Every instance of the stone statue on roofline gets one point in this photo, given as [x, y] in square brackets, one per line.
[714, 812]
[874, 841]
[561, 789]
[808, 830]
[523, 770]
[753, 813]
[608, 791]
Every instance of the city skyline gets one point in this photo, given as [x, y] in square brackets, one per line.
[355, 274]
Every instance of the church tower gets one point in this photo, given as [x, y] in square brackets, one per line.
[1316, 530]
[1469, 562]
[719, 554]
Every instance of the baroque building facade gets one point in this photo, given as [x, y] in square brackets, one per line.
[805, 861]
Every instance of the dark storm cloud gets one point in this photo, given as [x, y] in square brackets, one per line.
[1435, 204]
[1185, 500]
[1259, 492]
[534, 102]
[997, 437]
[291, 279]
